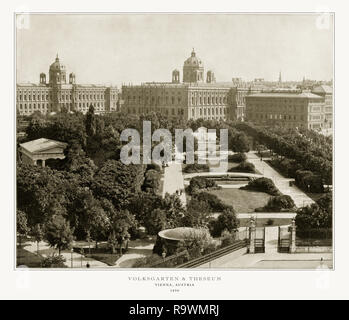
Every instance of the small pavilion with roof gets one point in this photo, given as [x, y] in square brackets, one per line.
[38, 151]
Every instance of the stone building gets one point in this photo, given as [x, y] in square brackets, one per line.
[326, 92]
[38, 151]
[62, 92]
[288, 109]
[193, 98]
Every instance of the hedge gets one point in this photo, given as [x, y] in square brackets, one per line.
[237, 157]
[262, 185]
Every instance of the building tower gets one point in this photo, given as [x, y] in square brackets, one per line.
[72, 78]
[57, 77]
[42, 78]
[210, 78]
[193, 69]
[175, 76]
[57, 73]
[280, 80]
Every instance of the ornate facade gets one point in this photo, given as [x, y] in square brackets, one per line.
[192, 99]
[61, 93]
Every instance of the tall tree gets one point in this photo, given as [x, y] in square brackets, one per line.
[38, 234]
[58, 233]
[22, 225]
[90, 122]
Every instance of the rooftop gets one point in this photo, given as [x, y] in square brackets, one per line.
[285, 95]
[42, 144]
[322, 89]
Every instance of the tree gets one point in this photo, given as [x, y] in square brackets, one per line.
[22, 225]
[155, 221]
[118, 182]
[77, 162]
[38, 235]
[197, 215]
[152, 181]
[173, 207]
[120, 223]
[313, 217]
[90, 122]
[58, 233]
[227, 220]
[325, 202]
[240, 143]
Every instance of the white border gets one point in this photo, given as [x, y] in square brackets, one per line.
[115, 285]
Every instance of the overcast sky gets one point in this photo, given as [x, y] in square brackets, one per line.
[116, 49]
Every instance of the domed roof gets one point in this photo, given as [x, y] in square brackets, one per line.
[193, 61]
[57, 65]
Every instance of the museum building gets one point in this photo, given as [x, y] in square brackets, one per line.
[62, 93]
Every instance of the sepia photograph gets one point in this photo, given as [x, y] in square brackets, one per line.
[174, 141]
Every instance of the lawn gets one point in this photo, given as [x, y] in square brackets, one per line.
[243, 201]
[27, 258]
[102, 254]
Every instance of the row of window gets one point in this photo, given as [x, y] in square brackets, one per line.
[34, 106]
[210, 111]
[264, 107]
[208, 100]
[64, 97]
[165, 111]
[34, 97]
[266, 116]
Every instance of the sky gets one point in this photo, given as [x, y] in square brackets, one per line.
[134, 48]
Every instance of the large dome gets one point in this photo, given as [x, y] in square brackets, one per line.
[193, 61]
[56, 66]
[57, 72]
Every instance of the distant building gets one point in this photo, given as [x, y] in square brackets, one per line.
[38, 151]
[326, 92]
[193, 98]
[288, 109]
[61, 93]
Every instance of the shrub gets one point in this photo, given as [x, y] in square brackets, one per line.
[146, 261]
[56, 261]
[226, 221]
[278, 204]
[308, 181]
[210, 248]
[262, 185]
[212, 200]
[244, 167]
[237, 157]
[227, 239]
[198, 183]
[195, 167]
[287, 167]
